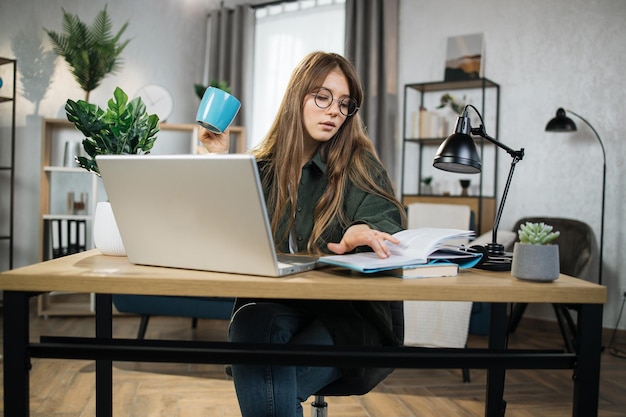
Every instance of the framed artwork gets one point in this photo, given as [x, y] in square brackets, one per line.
[464, 57]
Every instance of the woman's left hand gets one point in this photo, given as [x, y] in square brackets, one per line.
[363, 235]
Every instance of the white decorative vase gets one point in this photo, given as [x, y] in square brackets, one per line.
[447, 121]
[535, 262]
[106, 235]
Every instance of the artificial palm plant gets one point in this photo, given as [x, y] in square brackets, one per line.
[92, 52]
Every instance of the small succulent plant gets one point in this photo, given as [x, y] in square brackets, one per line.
[536, 233]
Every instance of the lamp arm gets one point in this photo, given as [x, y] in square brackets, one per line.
[480, 131]
[496, 222]
[603, 192]
[517, 156]
[593, 129]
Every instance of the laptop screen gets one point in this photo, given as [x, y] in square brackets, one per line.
[191, 211]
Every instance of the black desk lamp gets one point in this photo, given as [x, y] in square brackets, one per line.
[562, 123]
[458, 154]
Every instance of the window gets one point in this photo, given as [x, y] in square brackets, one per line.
[284, 34]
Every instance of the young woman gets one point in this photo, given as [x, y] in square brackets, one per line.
[326, 192]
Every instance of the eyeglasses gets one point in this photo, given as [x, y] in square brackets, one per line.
[324, 99]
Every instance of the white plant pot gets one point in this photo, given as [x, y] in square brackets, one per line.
[106, 235]
[535, 262]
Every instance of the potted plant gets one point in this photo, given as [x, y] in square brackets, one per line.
[427, 187]
[123, 128]
[450, 108]
[448, 100]
[92, 52]
[534, 256]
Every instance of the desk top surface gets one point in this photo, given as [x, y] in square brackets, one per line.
[92, 272]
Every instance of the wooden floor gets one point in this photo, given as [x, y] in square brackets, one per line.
[66, 388]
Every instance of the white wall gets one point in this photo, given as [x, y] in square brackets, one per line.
[544, 55]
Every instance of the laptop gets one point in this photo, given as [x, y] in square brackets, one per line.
[195, 212]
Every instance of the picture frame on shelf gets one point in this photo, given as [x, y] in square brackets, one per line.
[465, 57]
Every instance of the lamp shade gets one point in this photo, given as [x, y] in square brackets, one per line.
[458, 154]
[561, 123]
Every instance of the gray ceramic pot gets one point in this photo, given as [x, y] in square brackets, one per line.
[535, 262]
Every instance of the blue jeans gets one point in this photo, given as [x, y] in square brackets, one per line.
[277, 391]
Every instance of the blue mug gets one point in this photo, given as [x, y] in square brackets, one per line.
[217, 110]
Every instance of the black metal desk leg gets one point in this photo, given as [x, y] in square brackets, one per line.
[104, 367]
[16, 359]
[495, 406]
[587, 370]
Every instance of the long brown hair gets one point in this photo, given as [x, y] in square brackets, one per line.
[349, 155]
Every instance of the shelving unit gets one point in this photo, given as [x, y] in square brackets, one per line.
[7, 159]
[418, 150]
[57, 180]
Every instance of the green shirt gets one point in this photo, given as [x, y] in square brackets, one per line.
[359, 207]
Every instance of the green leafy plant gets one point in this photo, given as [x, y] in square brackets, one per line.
[427, 180]
[449, 100]
[536, 233]
[92, 52]
[123, 128]
[200, 88]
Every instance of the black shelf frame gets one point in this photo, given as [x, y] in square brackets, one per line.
[11, 167]
[483, 84]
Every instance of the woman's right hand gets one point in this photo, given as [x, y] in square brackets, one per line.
[214, 142]
[362, 235]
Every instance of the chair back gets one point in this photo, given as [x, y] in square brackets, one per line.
[451, 216]
[577, 244]
[438, 323]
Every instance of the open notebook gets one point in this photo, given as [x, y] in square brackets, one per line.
[195, 212]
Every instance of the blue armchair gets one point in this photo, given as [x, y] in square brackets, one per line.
[155, 305]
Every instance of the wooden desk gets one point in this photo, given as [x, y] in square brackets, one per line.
[92, 272]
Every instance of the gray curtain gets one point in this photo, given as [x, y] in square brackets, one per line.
[229, 51]
[372, 45]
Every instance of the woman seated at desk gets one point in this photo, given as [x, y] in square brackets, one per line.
[327, 192]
